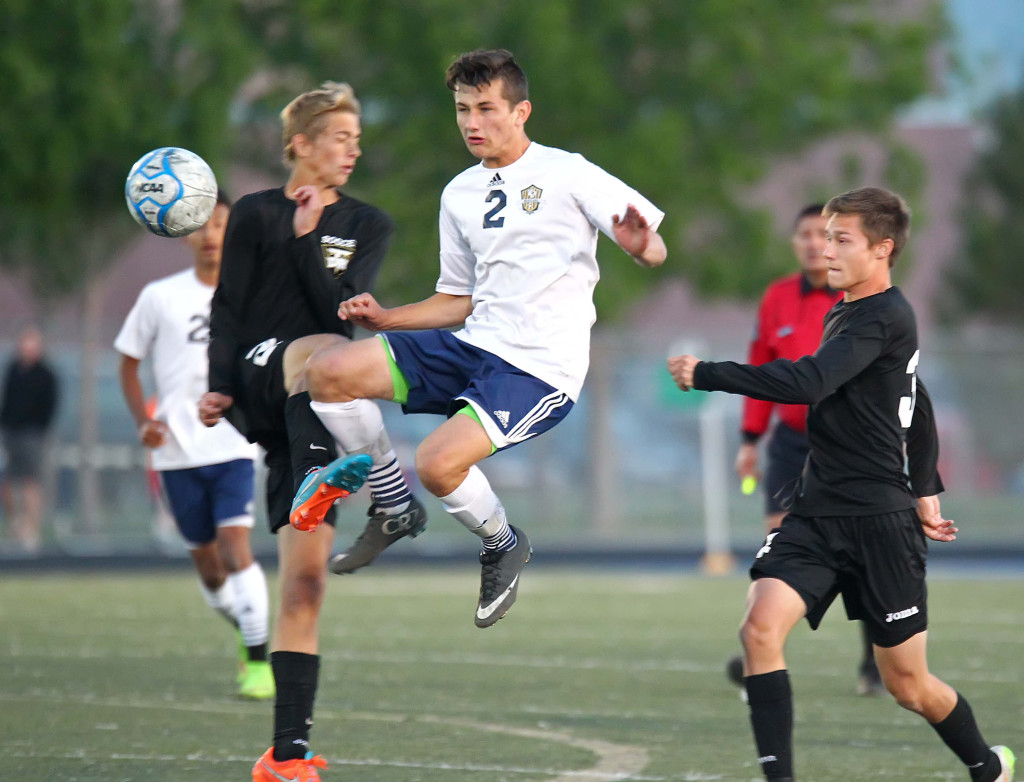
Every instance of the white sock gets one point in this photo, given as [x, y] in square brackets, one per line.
[358, 427]
[475, 505]
[221, 600]
[252, 606]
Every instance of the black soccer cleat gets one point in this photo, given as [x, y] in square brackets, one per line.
[499, 579]
[381, 531]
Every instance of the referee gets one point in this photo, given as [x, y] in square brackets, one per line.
[867, 498]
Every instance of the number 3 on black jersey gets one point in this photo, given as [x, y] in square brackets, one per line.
[907, 403]
[490, 221]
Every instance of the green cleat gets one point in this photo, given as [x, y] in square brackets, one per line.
[1006, 763]
[258, 684]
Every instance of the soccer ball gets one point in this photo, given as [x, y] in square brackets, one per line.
[171, 191]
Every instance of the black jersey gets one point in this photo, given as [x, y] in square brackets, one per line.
[866, 404]
[273, 284]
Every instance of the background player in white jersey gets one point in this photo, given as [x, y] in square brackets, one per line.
[518, 268]
[207, 473]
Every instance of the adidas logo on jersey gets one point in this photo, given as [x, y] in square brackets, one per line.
[502, 416]
[497, 180]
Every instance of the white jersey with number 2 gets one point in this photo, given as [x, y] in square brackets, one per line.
[522, 241]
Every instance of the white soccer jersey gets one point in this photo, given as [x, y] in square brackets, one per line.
[170, 322]
[522, 241]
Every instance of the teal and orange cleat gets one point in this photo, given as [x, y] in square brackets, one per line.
[299, 770]
[321, 488]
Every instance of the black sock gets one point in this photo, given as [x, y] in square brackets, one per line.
[295, 675]
[771, 715]
[960, 732]
[257, 653]
[309, 443]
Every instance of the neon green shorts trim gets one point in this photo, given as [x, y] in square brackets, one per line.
[472, 413]
[402, 389]
[397, 378]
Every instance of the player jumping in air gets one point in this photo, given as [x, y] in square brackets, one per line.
[518, 268]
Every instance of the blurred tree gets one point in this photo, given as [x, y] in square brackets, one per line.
[688, 102]
[87, 88]
[992, 275]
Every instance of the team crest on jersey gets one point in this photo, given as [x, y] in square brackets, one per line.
[337, 253]
[531, 198]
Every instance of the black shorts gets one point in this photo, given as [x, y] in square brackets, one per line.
[261, 382]
[260, 416]
[787, 452]
[877, 563]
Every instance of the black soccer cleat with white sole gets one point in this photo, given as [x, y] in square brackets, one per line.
[499, 579]
[381, 531]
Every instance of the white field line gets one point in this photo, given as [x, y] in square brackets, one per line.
[15, 650]
[615, 762]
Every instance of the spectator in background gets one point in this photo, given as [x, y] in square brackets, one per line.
[790, 320]
[26, 416]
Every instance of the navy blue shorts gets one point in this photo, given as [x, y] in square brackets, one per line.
[204, 498]
[877, 563]
[445, 374]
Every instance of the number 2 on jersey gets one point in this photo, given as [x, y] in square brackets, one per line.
[907, 403]
[490, 221]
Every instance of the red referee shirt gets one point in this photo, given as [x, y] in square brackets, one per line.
[789, 325]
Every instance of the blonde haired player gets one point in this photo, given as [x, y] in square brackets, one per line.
[291, 254]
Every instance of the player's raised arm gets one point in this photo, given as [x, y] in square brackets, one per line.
[442, 310]
[637, 238]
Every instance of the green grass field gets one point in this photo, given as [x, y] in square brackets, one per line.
[593, 676]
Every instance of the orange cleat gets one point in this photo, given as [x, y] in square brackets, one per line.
[298, 770]
[321, 488]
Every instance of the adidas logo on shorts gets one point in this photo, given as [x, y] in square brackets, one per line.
[502, 416]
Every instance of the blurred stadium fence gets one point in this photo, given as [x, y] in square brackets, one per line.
[638, 468]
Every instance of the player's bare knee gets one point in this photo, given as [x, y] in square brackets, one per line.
[909, 698]
[759, 638]
[437, 470]
[430, 475]
[324, 376]
[303, 592]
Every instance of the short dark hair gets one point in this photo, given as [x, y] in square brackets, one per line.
[811, 210]
[223, 198]
[480, 67]
[883, 215]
